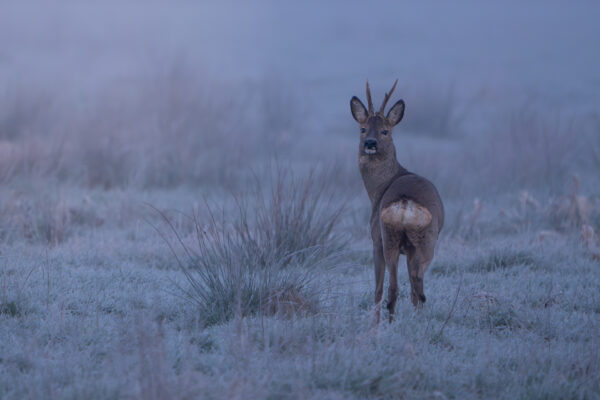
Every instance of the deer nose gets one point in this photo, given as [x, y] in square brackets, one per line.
[370, 143]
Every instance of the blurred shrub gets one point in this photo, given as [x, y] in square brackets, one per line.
[43, 219]
[531, 151]
[165, 128]
[433, 112]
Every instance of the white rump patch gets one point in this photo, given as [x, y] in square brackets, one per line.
[406, 214]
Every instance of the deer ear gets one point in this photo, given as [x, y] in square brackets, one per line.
[396, 113]
[359, 112]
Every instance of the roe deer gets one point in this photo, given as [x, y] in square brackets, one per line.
[407, 212]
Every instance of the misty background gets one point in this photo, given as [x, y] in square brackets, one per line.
[182, 215]
[131, 93]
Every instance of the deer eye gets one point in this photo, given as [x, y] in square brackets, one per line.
[363, 130]
[384, 132]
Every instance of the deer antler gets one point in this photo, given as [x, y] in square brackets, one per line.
[371, 111]
[387, 97]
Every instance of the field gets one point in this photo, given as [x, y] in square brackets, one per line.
[182, 216]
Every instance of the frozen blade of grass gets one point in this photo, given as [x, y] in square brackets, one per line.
[438, 336]
[189, 294]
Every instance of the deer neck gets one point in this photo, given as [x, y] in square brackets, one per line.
[378, 175]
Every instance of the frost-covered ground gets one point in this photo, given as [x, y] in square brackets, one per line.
[181, 214]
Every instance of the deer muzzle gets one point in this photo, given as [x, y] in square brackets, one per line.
[370, 146]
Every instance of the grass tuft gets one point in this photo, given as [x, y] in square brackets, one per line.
[10, 308]
[493, 313]
[499, 259]
[298, 215]
[264, 261]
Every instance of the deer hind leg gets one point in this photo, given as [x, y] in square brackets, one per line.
[418, 261]
[391, 251]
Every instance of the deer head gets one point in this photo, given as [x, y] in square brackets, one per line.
[376, 127]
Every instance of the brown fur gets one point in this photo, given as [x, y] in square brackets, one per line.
[407, 213]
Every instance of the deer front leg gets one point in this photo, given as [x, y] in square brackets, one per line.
[379, 262]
